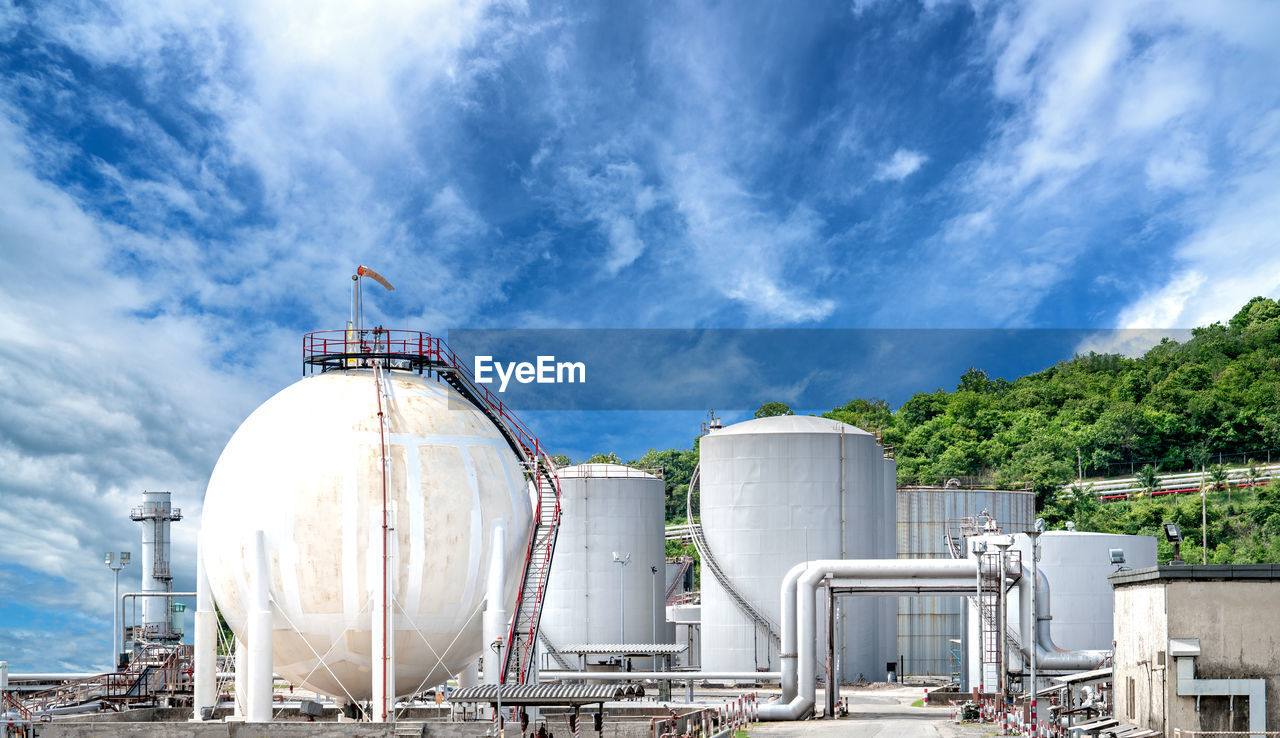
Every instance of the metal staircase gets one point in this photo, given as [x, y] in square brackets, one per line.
[678, 580]
[415, 351]
[553, 652]
[709, 561]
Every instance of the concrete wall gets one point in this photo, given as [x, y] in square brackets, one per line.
[1142, 633]
[615, 729]
[1235, 622]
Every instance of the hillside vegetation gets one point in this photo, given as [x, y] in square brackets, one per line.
[1180, 406]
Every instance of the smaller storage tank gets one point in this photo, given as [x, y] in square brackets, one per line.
[1076, 565]
[608, 509]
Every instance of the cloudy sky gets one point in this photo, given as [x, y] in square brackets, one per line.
[187, 187]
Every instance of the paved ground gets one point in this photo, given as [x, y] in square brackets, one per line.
[885, 713]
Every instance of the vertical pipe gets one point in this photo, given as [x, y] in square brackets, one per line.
[1035, 555]
[832, 681]
[260, 679]
[495, 613]
[470, 675]
[205, 650]
[241, 658]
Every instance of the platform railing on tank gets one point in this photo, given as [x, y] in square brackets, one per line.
[409, 350]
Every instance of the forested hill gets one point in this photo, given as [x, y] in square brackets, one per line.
[1177, 406]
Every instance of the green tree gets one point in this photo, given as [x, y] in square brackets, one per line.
[609, 458]
[1220, 479]
[561, 461]
[771, 409]
[1148, 480]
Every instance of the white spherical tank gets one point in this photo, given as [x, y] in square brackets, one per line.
[778, 491]
[306, 468]
[607, 509]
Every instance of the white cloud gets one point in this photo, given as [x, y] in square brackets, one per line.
[903, 164]
[1147, 112]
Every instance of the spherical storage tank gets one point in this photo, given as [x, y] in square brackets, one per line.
[607, 509]
[306, 469]
[778, 491]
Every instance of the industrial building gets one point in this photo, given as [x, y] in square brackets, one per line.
[1197, 648]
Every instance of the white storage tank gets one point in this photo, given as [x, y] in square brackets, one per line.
[1076, 565]
[778, 491]
[306, 469]
[927, 518]
[608, 509]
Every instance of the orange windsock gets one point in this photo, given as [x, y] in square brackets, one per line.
[364, 271]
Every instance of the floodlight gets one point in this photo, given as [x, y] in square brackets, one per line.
[124, 558]
[1172, 532]
[110, 558]
[1117, 556]
[1039, 526]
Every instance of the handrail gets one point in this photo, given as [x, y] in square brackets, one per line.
[709, 559]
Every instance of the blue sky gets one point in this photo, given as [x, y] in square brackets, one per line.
[187, 188]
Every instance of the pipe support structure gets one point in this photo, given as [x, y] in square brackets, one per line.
[205, 648]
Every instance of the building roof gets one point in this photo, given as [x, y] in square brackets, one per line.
[1197, 572]
[546, 694]
[1085, 676]
[625, 649]
[789, 424]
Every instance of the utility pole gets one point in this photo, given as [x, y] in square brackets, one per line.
[1204, 520]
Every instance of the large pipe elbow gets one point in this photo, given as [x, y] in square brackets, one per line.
[798, 708]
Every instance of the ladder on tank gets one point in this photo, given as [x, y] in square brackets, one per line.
[709, 560]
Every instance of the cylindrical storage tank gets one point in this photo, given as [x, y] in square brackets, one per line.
[1076, 565]
[608, 509]
[306, 468]
[778, 491]
[927, 517]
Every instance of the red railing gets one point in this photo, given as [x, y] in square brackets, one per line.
[352, 349]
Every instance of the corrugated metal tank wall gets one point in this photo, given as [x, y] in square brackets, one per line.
[608, 508]
[771, 493]
[926, 625]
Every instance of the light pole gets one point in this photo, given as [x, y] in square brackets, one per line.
[116, 563]
[622, 560]
[497, 649]
[653, 600]
[1030, 638]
